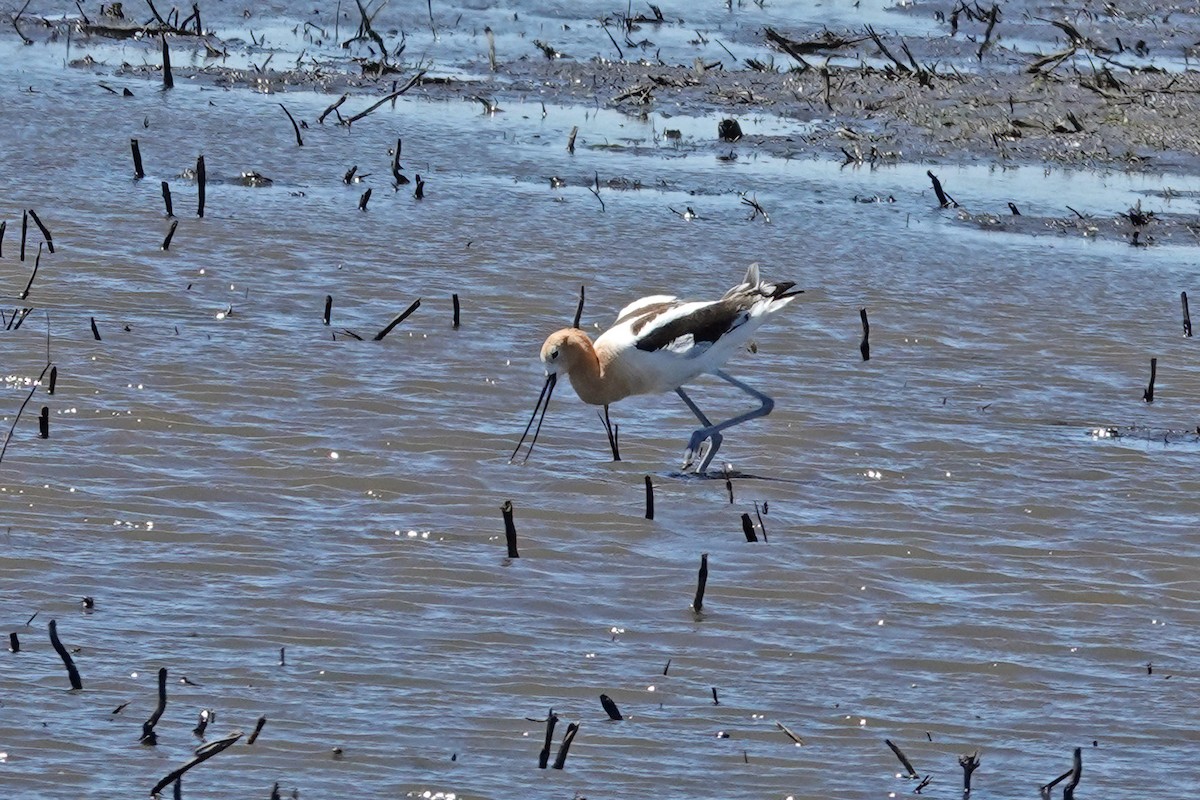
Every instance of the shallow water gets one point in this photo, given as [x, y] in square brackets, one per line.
[954, 561]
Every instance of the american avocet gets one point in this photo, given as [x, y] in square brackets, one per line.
[658, 344]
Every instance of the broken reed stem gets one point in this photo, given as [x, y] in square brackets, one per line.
[4, 226]
[419, 192]
[53, 380]
[761, 526]
[544, 755]
[328, 308]
[865, 346]
[16, 419]
[454, 300]
[203, 753]
[413, 81]
[944, 200]
[649, 498]
[610, 708]
[912, 773]
[149, 737]
[168, 79]
[748, 528]
[72, 672]
[579, 308]
[1076, 774]
[1187, 318]
[333, 107]
[95, 330]
[14, 644]
[1148, 392]
[166, 193]
[491, 39]
[200, 181]
[969, 763]
[396, 176]
[362, 201]
[789, 733]
[44, 422]
[295, 127]
[510, 529]
[258, 726]
[571, 140]
[568, 737]
[701, 582]
[166, 245]
[37, 261]
[138, 172]
[388, 328]
[45, 231]
[24, 231]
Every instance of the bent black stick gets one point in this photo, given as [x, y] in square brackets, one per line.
[649, 498]
[1187, 318]
[45, 231]
[72, 672]
[561, 759]
[166, 245]
[912, 773]
[295, 127]
[148, 735]
[331, 109]
[544, 755]
[1148, 392]
[413, 81]
[203, 753]
[865, 346]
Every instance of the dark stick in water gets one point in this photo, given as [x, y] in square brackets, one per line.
[748, 528]
[702, 581]
[24, 231]
[95, 330]
[258, 726]
[649, 498]
[1187, 318]
[968, 762]
[544, 755]
[138, 172]
[53, 380]
[148, 735]
[3, 227]
[944, 200]
[295, 127]
[166, 245]
[454, 300]
[44, 422]
[45, 231]
[328, 307]
[362, 201]
[1076, 773]
[1148, 392]
[865, 346]
[202, 754]
[912, 773]
[579, 308]
[168, 79]
[610, 707]
[568, 737]
[419, 192]
[200, 181]
[510, 529]
[14, 644]
[25, 292]
[166, 193]
[413, 81]
[17, 418]
[415, 305]
[331, 109]
[72, 673]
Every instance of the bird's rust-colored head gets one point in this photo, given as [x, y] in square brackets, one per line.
[561, 352]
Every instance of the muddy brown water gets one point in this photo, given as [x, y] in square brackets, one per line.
[955, 562]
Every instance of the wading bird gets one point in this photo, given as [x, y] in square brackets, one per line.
[658, 344]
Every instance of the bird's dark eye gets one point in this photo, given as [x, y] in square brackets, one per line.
[553, 354]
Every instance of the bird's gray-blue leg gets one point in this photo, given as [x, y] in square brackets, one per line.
[713, 432]
[697, 439]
